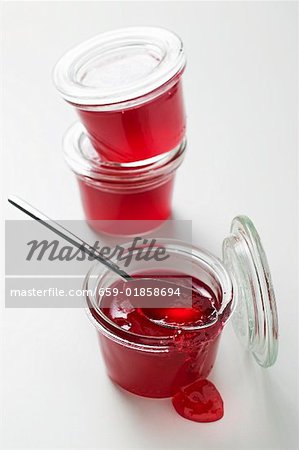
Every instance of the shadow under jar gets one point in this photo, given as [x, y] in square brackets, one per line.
[126, 87]
[121, 199]
[156, 361]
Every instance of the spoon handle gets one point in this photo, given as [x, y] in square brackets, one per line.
[67, 235]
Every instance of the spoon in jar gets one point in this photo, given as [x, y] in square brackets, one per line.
[170, 296]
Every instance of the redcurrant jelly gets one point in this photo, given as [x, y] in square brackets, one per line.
[158, 352]
[118, 199]
[126, 86]
[153, 352]
[199, 401]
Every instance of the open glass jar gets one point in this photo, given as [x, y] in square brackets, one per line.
[121, 199]
[157, 366]
[126, 87]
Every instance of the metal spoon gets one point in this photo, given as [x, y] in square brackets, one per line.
[180, 296]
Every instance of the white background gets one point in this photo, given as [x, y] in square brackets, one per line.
[240, 89]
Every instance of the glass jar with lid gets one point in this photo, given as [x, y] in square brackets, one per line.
[119, 198]
[126, 87]
[156, 364]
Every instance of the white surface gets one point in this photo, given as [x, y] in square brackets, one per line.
[240, 89]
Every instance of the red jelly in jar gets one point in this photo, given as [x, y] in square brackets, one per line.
[121, 199]
[127, 89]
[159, 353]
[155, 354]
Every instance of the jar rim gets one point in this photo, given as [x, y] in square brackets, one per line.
[84, 161]
[118, 66]
[225, 311]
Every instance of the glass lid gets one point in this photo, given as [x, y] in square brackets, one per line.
[255, 318]
[119, 66]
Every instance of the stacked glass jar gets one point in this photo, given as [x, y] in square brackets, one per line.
[126, 87]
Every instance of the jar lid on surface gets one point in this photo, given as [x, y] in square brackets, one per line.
[86, 162]
[118, 66]
[255, 318]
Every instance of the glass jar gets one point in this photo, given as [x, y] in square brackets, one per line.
[157, 366]
[126, 87]
[122, 199]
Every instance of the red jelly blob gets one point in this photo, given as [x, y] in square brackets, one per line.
[201, 313]
[200, 402]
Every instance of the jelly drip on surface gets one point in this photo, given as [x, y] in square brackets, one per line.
[199, 401]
